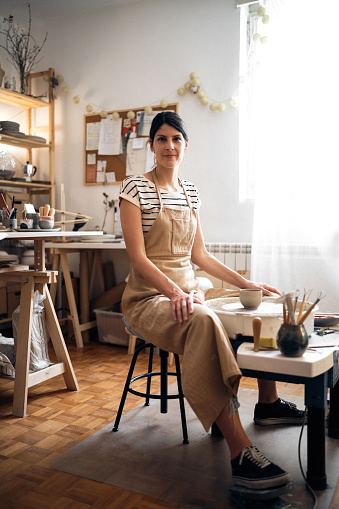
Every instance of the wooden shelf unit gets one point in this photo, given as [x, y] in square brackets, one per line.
[29, 104]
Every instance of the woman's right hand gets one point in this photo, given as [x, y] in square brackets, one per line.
[182, 305]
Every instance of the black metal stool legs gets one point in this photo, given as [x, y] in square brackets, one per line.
[127, 384]
[181, 400]
[149, 378]
[163, 381]
[163, 396]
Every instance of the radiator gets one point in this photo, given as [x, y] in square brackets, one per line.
[236, 256]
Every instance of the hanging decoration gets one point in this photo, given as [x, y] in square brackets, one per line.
[192, 86]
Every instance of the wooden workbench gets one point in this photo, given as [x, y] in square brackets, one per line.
[32, 280]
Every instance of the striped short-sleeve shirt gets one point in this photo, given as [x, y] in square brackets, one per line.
[140, 191]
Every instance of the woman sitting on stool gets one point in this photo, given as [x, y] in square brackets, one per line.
[160, 222]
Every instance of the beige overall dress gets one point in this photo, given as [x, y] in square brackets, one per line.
[210, 374]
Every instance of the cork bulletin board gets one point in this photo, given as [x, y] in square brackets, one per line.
[114, 149]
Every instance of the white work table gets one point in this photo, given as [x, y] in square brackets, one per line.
[311, 364]
[88, 245]
[318, 370]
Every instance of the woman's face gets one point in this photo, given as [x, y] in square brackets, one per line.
[168, 146]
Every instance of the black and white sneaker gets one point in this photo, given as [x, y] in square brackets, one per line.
[279, 412]
[253, 470]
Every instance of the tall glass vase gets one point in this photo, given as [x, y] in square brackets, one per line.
[2, 74]
[24, 82]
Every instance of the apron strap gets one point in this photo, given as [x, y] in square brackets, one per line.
[155, 180]
[187, 199]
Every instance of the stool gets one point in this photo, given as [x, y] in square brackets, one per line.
[163, 396]
[132, 341]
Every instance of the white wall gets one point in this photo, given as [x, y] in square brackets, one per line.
[135, 55]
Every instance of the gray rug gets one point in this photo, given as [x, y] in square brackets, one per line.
[147, 456]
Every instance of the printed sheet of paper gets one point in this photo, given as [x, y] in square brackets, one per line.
[110, 176]
[110, 137]
[147, 121]
[100, 176]
[101, 165]
[136, 156]
[149, 159]
[91, 159]
[92, 136]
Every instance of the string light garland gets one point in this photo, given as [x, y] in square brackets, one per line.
[192, 86]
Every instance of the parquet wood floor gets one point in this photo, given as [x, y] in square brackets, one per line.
[57, 419]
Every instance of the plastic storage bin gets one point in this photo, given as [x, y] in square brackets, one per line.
[111, 328]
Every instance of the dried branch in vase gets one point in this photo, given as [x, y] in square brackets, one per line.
[21, 47]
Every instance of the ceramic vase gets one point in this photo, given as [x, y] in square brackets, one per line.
[24, 82]
[292, 340]
[2, 74]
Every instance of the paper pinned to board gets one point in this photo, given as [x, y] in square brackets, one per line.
[92, 135]
[110, 176]
[110, 137]
[138, 156]
[91, 159]
[100, 176]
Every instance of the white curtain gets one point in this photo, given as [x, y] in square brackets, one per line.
[295, 126]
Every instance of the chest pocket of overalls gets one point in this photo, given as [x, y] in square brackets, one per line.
[183, 231]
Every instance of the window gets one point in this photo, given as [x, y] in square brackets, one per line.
[253, 37]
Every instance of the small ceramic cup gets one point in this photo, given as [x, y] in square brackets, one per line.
[250, 298]
[35, 217]
[26, 223]
[46, 222]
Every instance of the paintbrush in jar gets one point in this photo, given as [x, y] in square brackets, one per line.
[303, 303]
[301, 320]
[295, 301]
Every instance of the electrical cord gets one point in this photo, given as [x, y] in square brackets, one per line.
[315, 505]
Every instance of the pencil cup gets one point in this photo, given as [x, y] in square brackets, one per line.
[11, 223]
[292, 340]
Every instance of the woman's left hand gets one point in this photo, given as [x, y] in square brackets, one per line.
[266, 289]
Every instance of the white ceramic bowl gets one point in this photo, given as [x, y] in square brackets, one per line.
[250, 298]
[46, 222]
